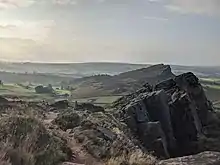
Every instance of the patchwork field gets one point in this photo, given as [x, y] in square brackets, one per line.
[212, 89]
[15, 91]
[103, 100]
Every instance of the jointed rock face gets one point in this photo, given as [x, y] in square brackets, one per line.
[170, 119]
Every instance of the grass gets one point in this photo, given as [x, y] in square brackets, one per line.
[14, 90]
[11, 90]
[26, 141]
[62, 92]
[212, 91]
[98, 100]
[135, 158]
[211, 79]
[213, 86]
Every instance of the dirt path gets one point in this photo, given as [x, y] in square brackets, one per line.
[80, 155]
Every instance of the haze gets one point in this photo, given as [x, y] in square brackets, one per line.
[183, 32]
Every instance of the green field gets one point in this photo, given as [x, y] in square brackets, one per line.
[212, 88]
[102, 100]
[217, 87]
[14, 91]
[211, 79]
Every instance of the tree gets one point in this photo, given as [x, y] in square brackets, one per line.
[42, 89]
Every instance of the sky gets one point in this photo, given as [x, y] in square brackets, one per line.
[185, 32]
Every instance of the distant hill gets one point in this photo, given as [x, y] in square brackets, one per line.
[102, 85]
[200, 71]
[79, 70]
[34, 78]
[75, 70]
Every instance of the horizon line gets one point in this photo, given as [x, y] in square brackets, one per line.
[102, 62]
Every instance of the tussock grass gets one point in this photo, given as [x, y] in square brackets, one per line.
[25, 141]
[134, 158]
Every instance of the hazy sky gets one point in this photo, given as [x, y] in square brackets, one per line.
[137, 31]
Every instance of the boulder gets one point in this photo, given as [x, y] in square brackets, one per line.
[185, 122]
[158, 109]
[62, 104]
[3, 100]
[178, 104]
[89, 107]
[68, 120]
[190, 83]
[148, 118]
[103, 136]
[166, 85]
[205, 158]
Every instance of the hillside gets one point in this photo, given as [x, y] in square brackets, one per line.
[34, 78]
[121, 84]
[79, 70]
[75, 70]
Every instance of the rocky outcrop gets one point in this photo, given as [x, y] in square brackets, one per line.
[102, 136]
[170, 119]
[68, 120]
[62, 104]
[100, 133]
[189, 84]
[88, 106]
[3, 100]
[148, 117]
[177, 110]
[205, 158]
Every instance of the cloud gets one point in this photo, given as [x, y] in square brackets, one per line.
[16, 48]
[7, 4]
[7, 27]
[10, 4]
[154, 1]
[207, 7]
[35, 30]
[156, 18]
[65, 2]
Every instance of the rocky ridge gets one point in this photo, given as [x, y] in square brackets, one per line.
[171, 119]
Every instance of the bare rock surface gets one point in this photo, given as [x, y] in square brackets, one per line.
[177, 109]
[204, 158]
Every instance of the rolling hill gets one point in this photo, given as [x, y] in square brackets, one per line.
[124, 83]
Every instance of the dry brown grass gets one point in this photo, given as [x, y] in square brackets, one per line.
[3, 154]
[135, 158]
[25, 141]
